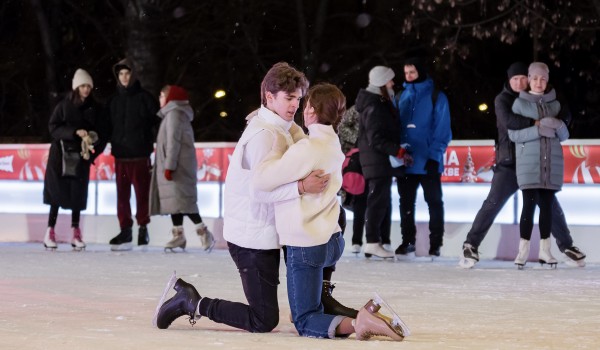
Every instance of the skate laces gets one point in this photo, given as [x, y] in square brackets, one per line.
[77, 233]
[52, 234]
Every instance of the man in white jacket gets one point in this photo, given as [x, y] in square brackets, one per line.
[249, 220]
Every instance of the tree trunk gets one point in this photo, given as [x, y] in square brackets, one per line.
[142, 42]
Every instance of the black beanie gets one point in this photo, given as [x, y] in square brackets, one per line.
[415, 61]
[517, 68]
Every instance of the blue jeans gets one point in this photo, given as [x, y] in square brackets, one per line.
[305, 281]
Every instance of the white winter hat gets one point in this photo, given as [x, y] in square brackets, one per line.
[82, 77]
[380, 75]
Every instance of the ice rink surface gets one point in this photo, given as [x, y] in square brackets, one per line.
[100, 299]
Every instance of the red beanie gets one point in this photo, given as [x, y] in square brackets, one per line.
[176, 93]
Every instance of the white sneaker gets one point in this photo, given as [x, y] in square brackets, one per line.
[355, 248]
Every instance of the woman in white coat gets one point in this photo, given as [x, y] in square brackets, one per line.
[173, 186]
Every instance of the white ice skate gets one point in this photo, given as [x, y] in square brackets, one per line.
[170, 284]
[376, 250]
[206, 237]
[50, 239]
[545, 256]
[178, 240]
[396, 321]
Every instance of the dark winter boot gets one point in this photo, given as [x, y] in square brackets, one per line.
[184, 302]
[122, 241]
[332, 306]
[143, 237]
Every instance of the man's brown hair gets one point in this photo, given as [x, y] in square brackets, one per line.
[282, 77]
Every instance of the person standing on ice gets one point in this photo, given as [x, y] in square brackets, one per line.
[308, 225]
[425, 123]
[133, 121]
[378, 140]
[173, 185]
[249, 221]
[75, 122]
[504, 182]
[539, 159]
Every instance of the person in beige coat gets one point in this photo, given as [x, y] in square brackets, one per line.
[173, 184]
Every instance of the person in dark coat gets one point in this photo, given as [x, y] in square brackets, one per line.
[173, 187]
[75, 125]
[132, 114]
[504, 182]
[378, 140]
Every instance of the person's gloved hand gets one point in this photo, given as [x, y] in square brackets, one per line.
[553, 123]
[169, 174]
[546, 131]
[432, 167]
[408, 160]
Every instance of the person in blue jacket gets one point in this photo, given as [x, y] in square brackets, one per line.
[425, 126]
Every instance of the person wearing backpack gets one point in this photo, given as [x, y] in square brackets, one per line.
[425, 125]
[356, 199]
[378, 139]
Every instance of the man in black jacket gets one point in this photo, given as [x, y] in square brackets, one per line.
[133, 122]
[504, 182]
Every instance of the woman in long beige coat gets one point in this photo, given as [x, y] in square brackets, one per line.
[173, 186]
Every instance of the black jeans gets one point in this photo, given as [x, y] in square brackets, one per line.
[259, 271]
[432, 190]
[504, 185]
[379, 210]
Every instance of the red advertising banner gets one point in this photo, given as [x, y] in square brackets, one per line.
[464, 161]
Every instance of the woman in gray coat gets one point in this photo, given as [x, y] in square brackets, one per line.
[540, 163]
[173, 185]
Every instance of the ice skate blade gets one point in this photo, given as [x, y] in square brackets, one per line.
[575, 263]
[52, 249]
[76, 249]
[170, 284]
[377, 257]
[212, 245]
[405, 257]
[121, 247]
[396, 320]
[520, 266]
[551, 266]
[466, 263]
[172, 250]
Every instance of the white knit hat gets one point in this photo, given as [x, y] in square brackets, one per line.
[380, 75]
[82, 77]
[539, 69]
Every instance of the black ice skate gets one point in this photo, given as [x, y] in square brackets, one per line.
[122, 241]
[332, 306]
[470, 256]
[184, 302]
[405, 251]
[143, 236]
[575, 257]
